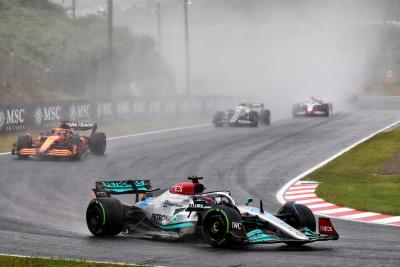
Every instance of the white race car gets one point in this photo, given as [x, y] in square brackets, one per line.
[313, 107]
[245, 114]
[185, 208]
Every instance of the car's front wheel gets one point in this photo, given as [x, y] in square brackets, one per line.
[298, 216]
[24, 141]
[218, 224]
[265, 117]
[218, 119]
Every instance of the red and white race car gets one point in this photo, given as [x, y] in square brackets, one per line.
[312, 107]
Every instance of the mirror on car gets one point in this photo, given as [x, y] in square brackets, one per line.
[248, 201]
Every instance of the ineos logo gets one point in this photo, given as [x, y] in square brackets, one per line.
[326, 228]
[178, 188]
[237, 225]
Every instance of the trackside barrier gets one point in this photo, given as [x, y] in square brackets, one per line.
[41, 115]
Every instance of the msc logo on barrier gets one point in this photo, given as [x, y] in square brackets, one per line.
[79, 111]
[46, 114]
[2, 118]
[104, 109]
[13, 119]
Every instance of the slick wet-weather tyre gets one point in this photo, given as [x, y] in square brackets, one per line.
[327, 110]
[217, 226]
[218, 119]
[253, 118]
[105, 216]
[24, 141]
[97, 143]
[298, 216]
[73, 143]
[265, 117]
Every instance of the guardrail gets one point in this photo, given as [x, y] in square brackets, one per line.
[41, 115]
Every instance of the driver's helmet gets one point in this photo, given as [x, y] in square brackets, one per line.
[63, 134]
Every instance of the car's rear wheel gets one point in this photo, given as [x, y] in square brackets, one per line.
[294, 111]
[97, 143]
[265, 117]
[105, 216]
[298, 216]
[24, 141]
[327, 110]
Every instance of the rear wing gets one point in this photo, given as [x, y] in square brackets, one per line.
[256, 105]
[108, 188]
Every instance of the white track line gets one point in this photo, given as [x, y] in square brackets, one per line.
[281, 192]
[159, 131]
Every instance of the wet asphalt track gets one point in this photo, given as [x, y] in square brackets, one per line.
[42, 203]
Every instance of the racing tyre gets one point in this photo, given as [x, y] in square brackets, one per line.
[298, 216]
[217, 225]
[97, 143]
[327, 109]
[73, 143]
[265, 117]
[105, 216]
[24, 141]
[294, 111]
[218, 119]
[254, 118]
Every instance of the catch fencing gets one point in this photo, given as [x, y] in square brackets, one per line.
[42, 115]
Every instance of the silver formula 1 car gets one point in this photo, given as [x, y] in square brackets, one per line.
[245, 114]
[186, 210]
[312, 107]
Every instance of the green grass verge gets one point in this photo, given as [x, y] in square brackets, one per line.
[122, 128]
[352, 180]
[11, 261]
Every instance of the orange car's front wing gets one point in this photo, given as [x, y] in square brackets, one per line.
[50, 152]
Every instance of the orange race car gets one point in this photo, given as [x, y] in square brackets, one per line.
[63, 141]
